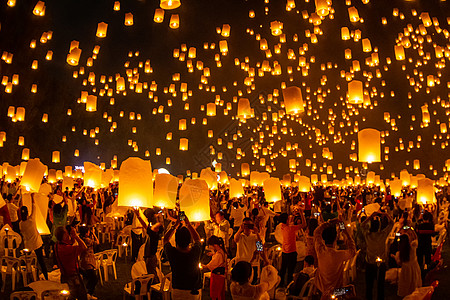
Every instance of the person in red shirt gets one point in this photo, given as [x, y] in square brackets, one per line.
[289, 246]
[67, 258]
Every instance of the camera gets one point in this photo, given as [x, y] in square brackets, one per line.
[182, 215]
[259, 246]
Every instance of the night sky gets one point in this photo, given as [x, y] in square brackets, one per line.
[388, 84]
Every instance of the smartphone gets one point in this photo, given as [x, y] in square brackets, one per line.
[316, 214]
[182, 215]
[259, 246]
[406, 227]
[341, 226]
[342, 291]
[397, 234]
[363, 210]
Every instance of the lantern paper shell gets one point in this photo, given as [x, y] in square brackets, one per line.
[194, 200]
[322, 8]
[244, 109]
[92, 175]
[396, 187]
[236, 189]
[304, 184]
[32, 177]
[425, 191]
[166, 187]
[293, 100]
[74, 56]
[210, 177]
[67, 183]
[107, 177]
[369, 145]
[223, 177]
[169, 4]
[272, 189]
[136, 183]
[355, 92]
[101, 29]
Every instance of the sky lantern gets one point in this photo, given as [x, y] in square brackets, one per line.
[244, 109]
[116, 6]
[74, 56]
[183, 144]
[211, 109]
[32, 177]
[276, 28]
[166, 188]
[369, 146]
[245, 169]
[223, 47]
[169, 4]
[225, 32]
[399, 52]
[396, 187]
[416, 164]
[367, 47]
[272, 189]
[353, 14]
[159, 15]
[355, 92]
[174, 22]
[345, 33]
[293, 100]
[25, 154]
[91, 103]
[55, 157]
[304, 184]
[425, 191]
[39, 9]
[102, 27]
[20, 114]
[405, 177]
[129, 19]
[92, 175]
[236, 189]
[68, 171]
[194, 200]
[322, 8]
[210, 178]
[136, 183]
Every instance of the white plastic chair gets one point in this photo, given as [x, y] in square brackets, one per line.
[55, 295]
[11, 243]
[123, 243]
[24, 295]
[9, 266]
[164, 287]
[308, 290]
[98, 265]
[28, 266]
[109, 260]
[138, 291]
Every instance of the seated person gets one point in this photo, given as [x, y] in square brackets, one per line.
[303, 276]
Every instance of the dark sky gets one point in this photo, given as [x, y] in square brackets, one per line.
[58, 91]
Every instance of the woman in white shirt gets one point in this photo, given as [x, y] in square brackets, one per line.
[217, 266]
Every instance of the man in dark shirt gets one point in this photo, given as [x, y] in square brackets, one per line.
[184, 260]
[425, 231]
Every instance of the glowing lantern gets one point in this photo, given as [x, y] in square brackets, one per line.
[169, 4]
[244, 109]
[293, 100]
[68, 171]
[120, 84]
[211, 109]
[136, 183]
[236, 189]
[367, 47]
[159, 15]
[194, 200]
[416, 164]
[425, 191]
[355, 92]
[272, 189]
[184, 144]
[101, 29]
[369, 149]
[210, 177]
[39, 8]
[370, 179]
[405, 177]
[276, 28]
[443, 127]
[304, 184]
[292, 164]
[322, 8]
[91, 103]
[399, 52]
[425, 17]
[74, 56]
[245, 169]
[26, 154]
[129, 19]
[92, 175]
[55, 157]
[345, 33]
[396, 187]
[174, 22]
[116, 5]
[223, 177]
[165, 194]
[353, 14]
[32, 177]
[20, 114]
[225, 32]
[223, 47]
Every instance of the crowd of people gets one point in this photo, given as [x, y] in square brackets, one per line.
[251, 245]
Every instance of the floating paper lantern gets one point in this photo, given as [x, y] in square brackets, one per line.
[223, 47]
[26, 154]
[370, 179]
[244, 109]
[293, 100]
[223, 177]
[276, 28]
[55, 157]
[211, 109]
[174, 22]
[353, 14]
[322, 8]
[39, 8]
[159, 15]
[32, 177]
[399, 52]
[304, 184]
[91, 103]
[165, 194]
[210, 177]
[73, 57]
[194, 200]
[236, 189]
[129, 19]
[136, 183]
[225, 32]
[272, 189]
[245, 169]
[68, 171]
[425, 191]
[169, 4]
[20, 114]
[355, 92]
[367, 47]
[369, 146]
[101, 30]
[184, 144]
[405, 177]
[116, 5]
[92, 175]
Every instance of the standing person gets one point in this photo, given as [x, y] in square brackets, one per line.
[87, 260]
[31, 238]
[237, 214]
[246, 239]
[425, 231]
[12, 208]
[265, 213]
[218, 268]
[221, 227]
[136, 236]
[184, 261]
[376, 256]
[410, 277]
[67, 257]
[151, 244]
[289, 246]
[329, 274]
